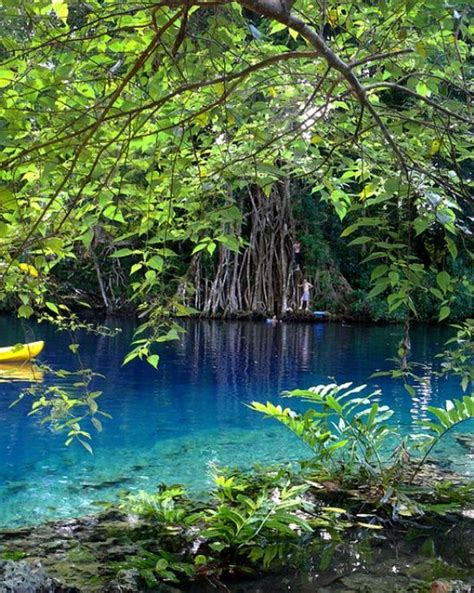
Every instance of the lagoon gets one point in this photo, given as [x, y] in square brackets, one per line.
[170, 425]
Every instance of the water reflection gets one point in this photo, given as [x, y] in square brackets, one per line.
[424, 395]
[168, 424]
[25, 371]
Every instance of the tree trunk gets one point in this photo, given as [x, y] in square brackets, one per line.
[260, 279]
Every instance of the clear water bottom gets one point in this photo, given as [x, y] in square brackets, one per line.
[169, 425]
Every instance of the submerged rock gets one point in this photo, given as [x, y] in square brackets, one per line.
[26, 577]
[127, 581]
[369, 583]
[104, 484]
[466, 441]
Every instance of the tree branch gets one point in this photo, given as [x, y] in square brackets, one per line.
[404, 89]
[273, 9]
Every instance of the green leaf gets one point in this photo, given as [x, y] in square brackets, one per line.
[230, 242]
[423, 90]
[86, 446]
[199, 247]
[25, 311]
[437, 293]
[61, 9]
[156, 262]
[97, 424]
[7, 199]
[380, 270]
[5, 229]
[349, 230]
[421, 224]
[277, 27]
[113, 212]
[453, 250]
[435, 146]
[380, 286]
[135, 268]
[125, 252]
[444, 312]
[52, 307]
[443, 279]
[153, 360]
[6, 77]
[87, 238]
[361, 240]
[441, 414]
[200, 560]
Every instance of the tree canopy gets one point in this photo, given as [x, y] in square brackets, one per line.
[131, 131]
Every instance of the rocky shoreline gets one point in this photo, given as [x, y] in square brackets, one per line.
[86, 555]
[433, 553]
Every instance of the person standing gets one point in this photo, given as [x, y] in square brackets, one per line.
[305, 298]
[297, 255]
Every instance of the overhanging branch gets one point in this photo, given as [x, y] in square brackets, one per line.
[279, 11]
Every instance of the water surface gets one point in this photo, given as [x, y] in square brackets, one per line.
[169, 425]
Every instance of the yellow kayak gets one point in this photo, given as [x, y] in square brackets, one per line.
[12, 371]
[21, 352]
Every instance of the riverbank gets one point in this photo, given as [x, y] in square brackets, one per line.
[361, 310]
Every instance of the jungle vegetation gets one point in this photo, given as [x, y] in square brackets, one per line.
[166, 156]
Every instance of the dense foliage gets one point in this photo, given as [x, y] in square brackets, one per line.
[143, 145]
[168, 155]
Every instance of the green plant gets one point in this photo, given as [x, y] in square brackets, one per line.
[132, 191]
[67, 404]
[353, 432]
[163, 566]
[254, 520]
[344, 431]
[169, 507]
[355, 448]
[249, 525]
[12, 555]
[459, 360]
[443, 420]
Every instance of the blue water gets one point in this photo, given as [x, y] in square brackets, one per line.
[169, 425]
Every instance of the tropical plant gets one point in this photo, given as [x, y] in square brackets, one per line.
[456, 412]
[459, 360]
[66, 405]
[350, 437]
[251, 520]
[249, 525]
[273, 517]
[169, 506]
[155, 568]
[343, 431]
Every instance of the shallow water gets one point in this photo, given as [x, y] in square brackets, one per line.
[169, 425]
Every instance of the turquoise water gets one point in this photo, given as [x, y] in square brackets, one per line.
[169, 425]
